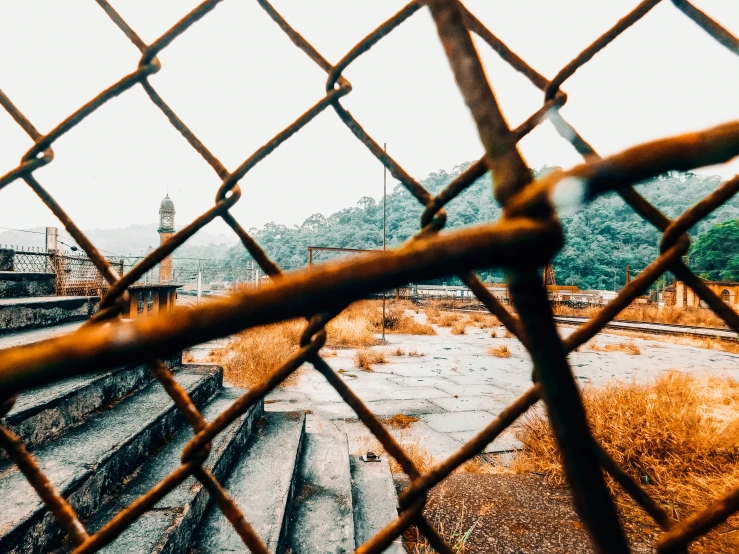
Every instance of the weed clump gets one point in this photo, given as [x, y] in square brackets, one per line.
[677, 436]
[400, 421]
[365, 358]
[626, 347]
[458, 328]
[256, 353]
[501, 351]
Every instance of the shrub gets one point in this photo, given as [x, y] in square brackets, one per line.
[677, 436]
[627, 347]
[500, 351]
[364, 358]
[458, 328]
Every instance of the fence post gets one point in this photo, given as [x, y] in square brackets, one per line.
[51, 239]
[57, 267]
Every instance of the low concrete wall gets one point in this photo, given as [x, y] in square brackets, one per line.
[17, 285]
[18, 314]
[6, 259]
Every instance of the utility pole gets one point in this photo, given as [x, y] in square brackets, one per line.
[614, 280]
[384, 232]
[200, 282]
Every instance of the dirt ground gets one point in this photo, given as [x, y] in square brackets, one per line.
[509, 514]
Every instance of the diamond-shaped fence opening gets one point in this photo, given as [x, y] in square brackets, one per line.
[524, 239]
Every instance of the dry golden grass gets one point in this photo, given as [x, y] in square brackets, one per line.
[359, 323]
[400, 421]
[364, 358]
[487, 321]
[397, 319]
[415, 353]
[482, 320]
[500, 351]
[409, 326]
[458, 328]
[698, 317]
[678, 436]
[447, 319]
[188, 357]
[712, 344]
[507, 334]
[256, 353]
[352, 328]
[433, 313]
[626, 347]
[398, 352]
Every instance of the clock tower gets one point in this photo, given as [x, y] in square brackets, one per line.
[166, 230]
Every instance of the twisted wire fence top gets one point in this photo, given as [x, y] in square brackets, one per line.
[526, 237]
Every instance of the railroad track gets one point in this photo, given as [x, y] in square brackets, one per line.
[716, 333]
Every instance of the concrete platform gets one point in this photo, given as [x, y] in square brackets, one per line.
[18, 314]
[17, 284]
[171, 524]
[89, 462]
[261, 483]
[321, 518]
[374, 499]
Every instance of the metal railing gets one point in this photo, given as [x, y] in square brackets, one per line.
[524, 239]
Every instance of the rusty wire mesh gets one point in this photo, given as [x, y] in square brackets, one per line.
[75, 273]
[524, 239]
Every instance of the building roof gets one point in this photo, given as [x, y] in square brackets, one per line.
[167, 285]
[167, 203]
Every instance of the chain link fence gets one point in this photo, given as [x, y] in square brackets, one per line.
[76, 274]
[522, 241]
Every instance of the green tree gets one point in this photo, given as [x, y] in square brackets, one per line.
[601, 239]
[715, 254]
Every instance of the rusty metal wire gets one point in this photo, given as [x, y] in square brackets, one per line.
[526, 237]
[76, 274]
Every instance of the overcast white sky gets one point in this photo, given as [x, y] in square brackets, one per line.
[237, 80]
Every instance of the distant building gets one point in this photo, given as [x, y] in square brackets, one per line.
[667, 296]
[147, 298]
[728, 291]
[166, 230]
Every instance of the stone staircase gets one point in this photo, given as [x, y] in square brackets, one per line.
[105, 439]
[27, 300]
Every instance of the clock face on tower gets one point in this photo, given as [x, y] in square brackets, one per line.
[167, 221]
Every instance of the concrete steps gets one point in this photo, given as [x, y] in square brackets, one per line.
[374, 499]
[321, 518]
[16, 284]
[261, 483]
[170, 526]
[17, 314]
[105, 439]
[42, 414]
[88, 462]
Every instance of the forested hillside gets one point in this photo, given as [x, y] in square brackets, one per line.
[600, 240]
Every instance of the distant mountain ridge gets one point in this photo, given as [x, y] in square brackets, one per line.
[133, 240]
